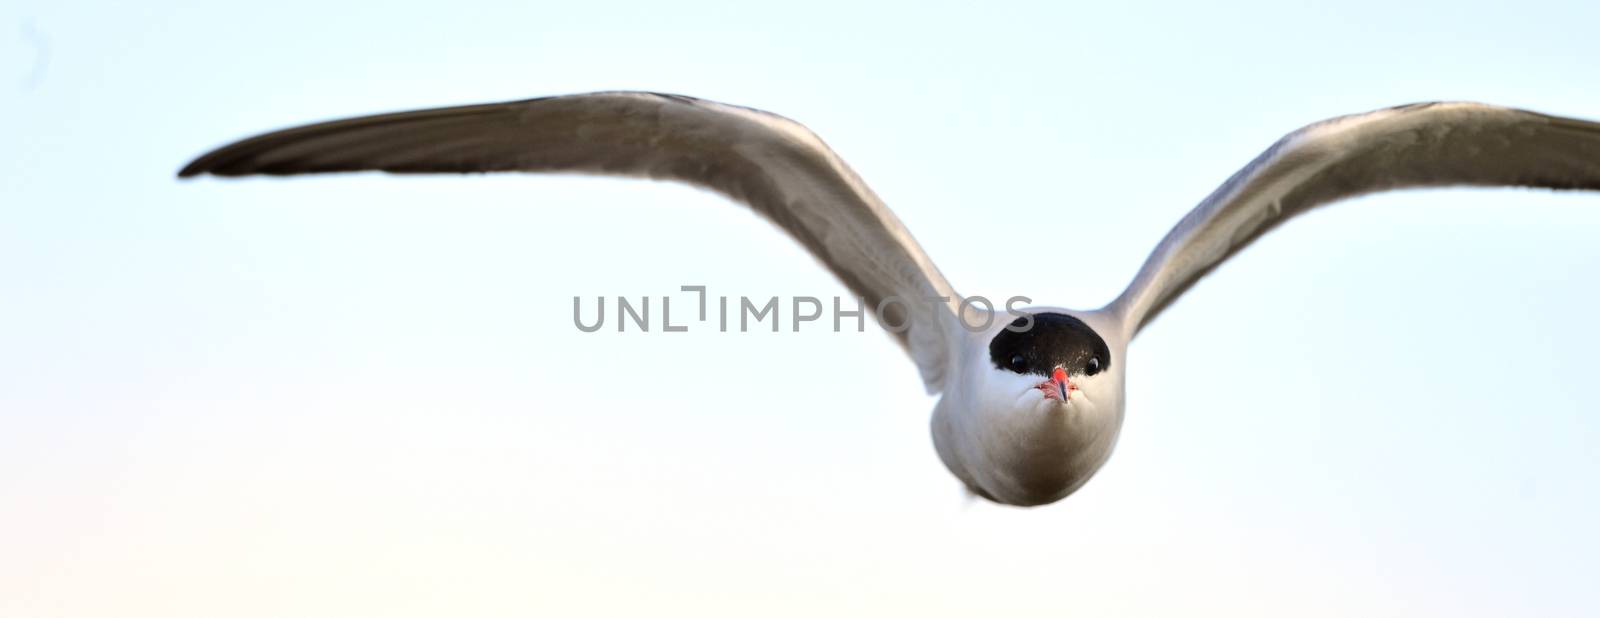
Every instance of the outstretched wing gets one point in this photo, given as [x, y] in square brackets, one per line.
[1421, 145]
[773, 164]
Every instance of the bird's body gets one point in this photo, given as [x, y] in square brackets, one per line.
[1030, 407]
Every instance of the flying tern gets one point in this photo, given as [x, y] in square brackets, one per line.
[1029, 408]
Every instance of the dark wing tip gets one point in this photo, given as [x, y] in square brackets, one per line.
[209, 164]
[243, 157]
[194, 168]
[224, 160]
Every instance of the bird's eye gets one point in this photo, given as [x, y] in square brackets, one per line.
[1018, 362]
[1093, 367]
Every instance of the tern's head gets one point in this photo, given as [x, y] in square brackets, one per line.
[1043, 410]
[1055, 354]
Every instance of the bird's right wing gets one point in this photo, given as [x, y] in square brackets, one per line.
[768, 162]
[1423, 145]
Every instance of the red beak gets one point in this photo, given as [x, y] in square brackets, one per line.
[1060, 378]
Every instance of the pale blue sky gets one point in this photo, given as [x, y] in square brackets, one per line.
[364, 395]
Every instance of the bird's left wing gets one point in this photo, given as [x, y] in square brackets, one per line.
[773, 164]
[1422, 145]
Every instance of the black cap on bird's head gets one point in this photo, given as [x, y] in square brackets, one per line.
[1055, 346]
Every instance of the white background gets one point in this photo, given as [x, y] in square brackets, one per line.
[364, 395]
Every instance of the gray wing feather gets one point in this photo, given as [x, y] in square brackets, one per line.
[774, 165]
[1421, 145]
